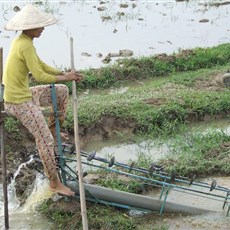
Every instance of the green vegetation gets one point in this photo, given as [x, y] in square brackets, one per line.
[175, 89]
[161, 106]
[11, 125]
[156, 66]
[99, 216]
[200, 154]
[112, 180]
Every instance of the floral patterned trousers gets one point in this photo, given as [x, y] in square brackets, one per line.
[31, 116]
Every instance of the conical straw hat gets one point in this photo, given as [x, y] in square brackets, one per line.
[30, 17]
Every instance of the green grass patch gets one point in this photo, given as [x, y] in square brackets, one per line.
[99, 217]
[113, 181]
[201, 154]
[162, 106]
[155, 66]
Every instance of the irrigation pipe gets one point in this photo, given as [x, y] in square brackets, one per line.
[3, 156]
[77, 146]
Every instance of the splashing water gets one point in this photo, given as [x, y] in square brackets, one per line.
[26, 217]
[40, 193]
[13, 202]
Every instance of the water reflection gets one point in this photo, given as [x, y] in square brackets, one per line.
[126, 152]
[145, 27]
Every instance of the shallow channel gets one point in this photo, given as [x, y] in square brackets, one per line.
[26, 217]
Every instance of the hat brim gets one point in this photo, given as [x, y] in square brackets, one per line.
[28, 18]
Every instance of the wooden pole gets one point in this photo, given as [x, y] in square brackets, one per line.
[3, 156]
[77, 145]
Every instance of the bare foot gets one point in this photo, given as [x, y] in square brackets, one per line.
[62, 189]
[64, 136]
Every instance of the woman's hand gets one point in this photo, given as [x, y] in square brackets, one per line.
[73, 76]
[70, 76]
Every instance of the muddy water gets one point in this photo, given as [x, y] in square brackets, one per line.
[144, 27]
[124, 152]
[26, 216]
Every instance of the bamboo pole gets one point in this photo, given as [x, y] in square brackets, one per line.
[77, 145]
[3, 156]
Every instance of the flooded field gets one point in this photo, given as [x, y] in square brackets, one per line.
[143, 27]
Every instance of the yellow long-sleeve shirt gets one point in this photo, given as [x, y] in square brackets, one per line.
[21, 60]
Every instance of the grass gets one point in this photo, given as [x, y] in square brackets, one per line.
[166, 101]
[156, 66]
[192, 153]
[11, 125]
[111, 180]
[99, 216]
[161, 106]
[201, 154]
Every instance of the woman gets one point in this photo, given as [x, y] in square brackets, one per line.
[24, 102]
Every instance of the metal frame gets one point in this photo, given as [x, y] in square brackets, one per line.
[157, 178]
